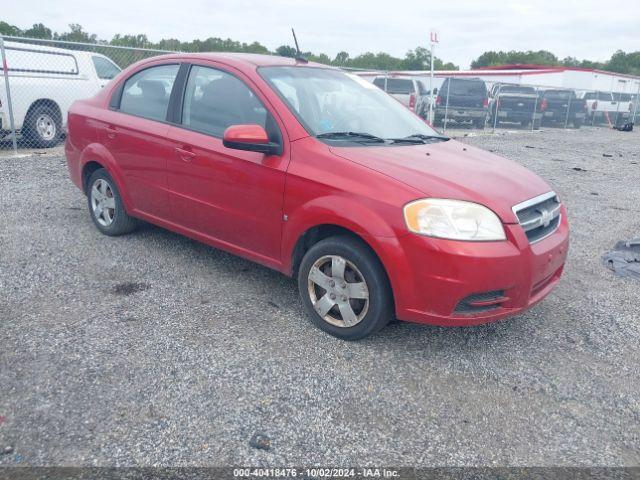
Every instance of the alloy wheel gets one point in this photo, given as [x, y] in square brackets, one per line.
[338, 291]
[103, 203]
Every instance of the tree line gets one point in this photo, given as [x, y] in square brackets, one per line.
[619, 62]
[416, 59]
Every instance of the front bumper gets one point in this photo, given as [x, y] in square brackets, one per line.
[435, 276]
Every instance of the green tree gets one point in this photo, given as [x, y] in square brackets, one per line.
[76, 34]
[38, 30]
[286, 51]
[342, 58]
[7, 29]
[491, 58]
[137, 41]
[624, 63]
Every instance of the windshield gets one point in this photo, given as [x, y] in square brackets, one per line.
[328, 101]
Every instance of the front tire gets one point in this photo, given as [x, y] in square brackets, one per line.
[106, 207]
[344, 288]
[43, 126]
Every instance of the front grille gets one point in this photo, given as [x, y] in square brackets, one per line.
[481, 302]
[539, 217]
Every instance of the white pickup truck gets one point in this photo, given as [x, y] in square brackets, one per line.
[44, 81]
[607, 107]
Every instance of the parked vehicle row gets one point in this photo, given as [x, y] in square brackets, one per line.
[468, 101]
[44, 82]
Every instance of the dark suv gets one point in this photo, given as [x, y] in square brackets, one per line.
[462, 100]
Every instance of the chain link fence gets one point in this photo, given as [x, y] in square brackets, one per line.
[42, 78]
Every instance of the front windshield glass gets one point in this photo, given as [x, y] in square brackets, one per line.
[326, 101]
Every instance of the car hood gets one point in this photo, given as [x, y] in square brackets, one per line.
[453, 170]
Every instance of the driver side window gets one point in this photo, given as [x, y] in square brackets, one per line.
[215, 100]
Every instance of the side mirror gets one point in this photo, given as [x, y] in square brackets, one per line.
[252, 138]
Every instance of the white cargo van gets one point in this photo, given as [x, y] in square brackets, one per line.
[44, 82]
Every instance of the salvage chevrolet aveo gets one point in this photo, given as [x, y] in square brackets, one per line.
[319, 174]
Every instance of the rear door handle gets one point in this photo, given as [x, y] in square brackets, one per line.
[185, 155]
[111, 132]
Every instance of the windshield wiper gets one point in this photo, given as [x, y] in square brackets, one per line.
[356, 136]
[422, 136]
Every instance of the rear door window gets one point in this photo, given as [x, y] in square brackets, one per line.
[146, 93]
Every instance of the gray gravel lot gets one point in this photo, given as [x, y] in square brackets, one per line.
[152, 349]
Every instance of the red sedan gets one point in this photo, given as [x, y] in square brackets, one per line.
[319, 174]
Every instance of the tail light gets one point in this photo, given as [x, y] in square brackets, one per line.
[543, 104]
[594, 105]
[485, 102]
[438, 100]
[412, 101]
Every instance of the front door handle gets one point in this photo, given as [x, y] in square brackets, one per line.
[185, 155]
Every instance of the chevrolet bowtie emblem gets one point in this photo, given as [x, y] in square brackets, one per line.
[546, 217]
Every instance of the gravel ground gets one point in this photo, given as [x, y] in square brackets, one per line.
[152, 349]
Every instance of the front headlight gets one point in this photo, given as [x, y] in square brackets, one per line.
[453, 219]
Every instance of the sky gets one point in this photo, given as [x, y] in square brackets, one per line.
[584, 29]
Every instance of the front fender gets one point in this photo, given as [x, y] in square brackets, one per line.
[337, 210]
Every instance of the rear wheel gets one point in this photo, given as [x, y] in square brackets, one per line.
[43, 126]
[344, 288]
[106, 207]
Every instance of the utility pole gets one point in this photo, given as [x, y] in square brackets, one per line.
[433, 39]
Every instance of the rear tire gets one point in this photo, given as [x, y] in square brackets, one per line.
[43, 126]
[106, 207]
[344, 288]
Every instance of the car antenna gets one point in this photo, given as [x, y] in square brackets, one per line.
[299, 57]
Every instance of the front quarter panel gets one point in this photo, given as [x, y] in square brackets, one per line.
[323, 188]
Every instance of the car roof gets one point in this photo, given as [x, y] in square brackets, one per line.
[246, 59]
